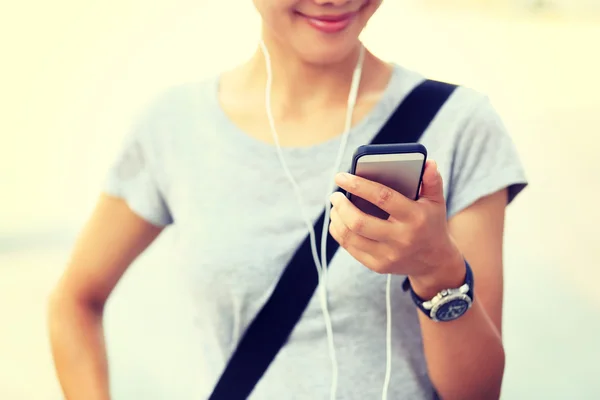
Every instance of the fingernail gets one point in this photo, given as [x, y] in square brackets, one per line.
[332, 198]
[343, 177]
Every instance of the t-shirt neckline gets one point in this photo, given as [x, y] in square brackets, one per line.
[253, 144]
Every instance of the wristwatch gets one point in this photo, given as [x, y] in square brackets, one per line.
[449, 304]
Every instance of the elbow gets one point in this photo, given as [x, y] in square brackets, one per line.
[491, 384]
[484, 381]
[65, 303]
[68, 315]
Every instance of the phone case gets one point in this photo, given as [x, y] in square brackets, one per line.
[400, 148]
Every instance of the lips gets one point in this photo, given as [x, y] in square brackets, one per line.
[333, 18]
[330, 23]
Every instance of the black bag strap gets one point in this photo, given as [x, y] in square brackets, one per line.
[274, 323]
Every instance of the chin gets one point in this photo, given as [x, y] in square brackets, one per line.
[320, 35]
[325, 50]
[333, 42]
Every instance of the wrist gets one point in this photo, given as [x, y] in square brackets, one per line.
[446, 275]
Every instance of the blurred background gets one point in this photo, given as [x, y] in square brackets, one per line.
[74, 74]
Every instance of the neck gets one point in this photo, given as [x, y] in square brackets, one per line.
[299, 84]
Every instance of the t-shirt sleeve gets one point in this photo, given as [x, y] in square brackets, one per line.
[485, 161]
[133, 177]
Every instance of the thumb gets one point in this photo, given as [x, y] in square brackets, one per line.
[432, 187]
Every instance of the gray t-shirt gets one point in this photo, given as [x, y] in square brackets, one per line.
[237, 224]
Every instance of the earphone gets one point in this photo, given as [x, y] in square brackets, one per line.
[321, 264]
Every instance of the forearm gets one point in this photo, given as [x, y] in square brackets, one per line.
[79, 351]
[465, 357]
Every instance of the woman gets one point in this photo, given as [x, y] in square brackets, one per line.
[239, 224]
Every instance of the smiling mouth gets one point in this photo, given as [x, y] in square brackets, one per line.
[329, 23]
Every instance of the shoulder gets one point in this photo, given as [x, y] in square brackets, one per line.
[468, 126]
[470, 142]
[468, 115]
[477, 154]
[174, 109]
[476, 124]
[465, 103]
[473, 109]
[179, 102]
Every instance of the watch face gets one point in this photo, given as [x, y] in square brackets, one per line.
[452, 310]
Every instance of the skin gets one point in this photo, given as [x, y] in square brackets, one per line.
[465, 357]
[312, 70]
[112, 238]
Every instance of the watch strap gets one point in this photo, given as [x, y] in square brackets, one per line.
[406, 286]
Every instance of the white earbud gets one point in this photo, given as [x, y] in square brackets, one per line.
[321, 264]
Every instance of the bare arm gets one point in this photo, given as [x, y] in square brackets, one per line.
[113, 237]
[466, 357]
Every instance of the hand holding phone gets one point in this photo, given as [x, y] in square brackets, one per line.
[397, 166]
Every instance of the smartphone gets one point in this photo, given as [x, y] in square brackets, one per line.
[397, 166]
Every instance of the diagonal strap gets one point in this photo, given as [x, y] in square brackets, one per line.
[274, 323]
